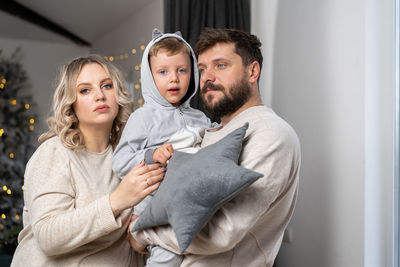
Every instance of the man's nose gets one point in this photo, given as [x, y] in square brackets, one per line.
[207, 76]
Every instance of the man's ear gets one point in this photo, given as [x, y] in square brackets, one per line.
[254, 71]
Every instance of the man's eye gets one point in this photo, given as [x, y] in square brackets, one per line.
[201, 70]
[221, 65]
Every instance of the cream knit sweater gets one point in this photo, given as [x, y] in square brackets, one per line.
[248, 230]
[67, 216]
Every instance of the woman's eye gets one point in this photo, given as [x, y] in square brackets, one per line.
[107, 86]
[84, 91]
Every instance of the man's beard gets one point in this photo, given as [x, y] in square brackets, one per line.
[228, 104]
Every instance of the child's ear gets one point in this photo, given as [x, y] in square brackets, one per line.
[156, 33]
[254, 71]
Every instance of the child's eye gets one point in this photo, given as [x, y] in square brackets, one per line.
[181, 70]
[163, 72]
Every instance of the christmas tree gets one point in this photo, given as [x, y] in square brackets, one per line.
[16, 146]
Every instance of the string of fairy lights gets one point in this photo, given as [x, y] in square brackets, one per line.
[124, 55]
[121, 57]
[11, 155]
[13, 102]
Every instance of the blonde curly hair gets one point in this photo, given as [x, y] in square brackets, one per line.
[64, 123]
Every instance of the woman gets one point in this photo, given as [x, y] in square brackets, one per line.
[76, 210]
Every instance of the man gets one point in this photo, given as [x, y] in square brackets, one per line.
[248, 230]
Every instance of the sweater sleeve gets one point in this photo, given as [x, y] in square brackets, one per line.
[58, 226]
[131, 148]
[275, 155]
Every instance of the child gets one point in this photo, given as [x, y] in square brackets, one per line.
[166, 121]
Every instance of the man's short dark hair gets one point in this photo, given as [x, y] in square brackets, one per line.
[247, 46]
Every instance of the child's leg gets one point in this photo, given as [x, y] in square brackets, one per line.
[160, 257]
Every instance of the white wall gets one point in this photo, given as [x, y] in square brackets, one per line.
[263, 19]
[380, 109]
[131, 34]
[323, 63]
[134, 31]
[42, 60]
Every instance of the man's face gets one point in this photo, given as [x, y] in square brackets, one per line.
[224, 82]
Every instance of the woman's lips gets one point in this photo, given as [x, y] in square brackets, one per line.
[102, 108]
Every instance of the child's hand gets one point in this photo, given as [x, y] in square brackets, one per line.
[135, 244]
[133, 217]
[163, 153]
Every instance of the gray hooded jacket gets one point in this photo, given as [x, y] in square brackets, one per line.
[158, 121]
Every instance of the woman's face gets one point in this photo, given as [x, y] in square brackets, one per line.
[95, 106]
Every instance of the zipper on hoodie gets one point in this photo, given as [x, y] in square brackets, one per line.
[184, 122]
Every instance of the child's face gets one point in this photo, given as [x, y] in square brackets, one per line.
[171, 75]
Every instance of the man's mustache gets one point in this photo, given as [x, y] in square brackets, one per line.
[211, 86]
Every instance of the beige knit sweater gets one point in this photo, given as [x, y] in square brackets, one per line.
[67, 216]
[248, 230]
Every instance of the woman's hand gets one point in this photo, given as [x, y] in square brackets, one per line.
[135, 186]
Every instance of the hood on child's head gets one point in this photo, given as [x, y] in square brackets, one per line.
[150, 93]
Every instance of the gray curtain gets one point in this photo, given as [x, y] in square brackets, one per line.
[191, 16]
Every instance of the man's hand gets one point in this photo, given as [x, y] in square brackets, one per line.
[163, 153]
[136, 246]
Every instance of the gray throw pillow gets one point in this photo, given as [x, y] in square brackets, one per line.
[196, 185]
